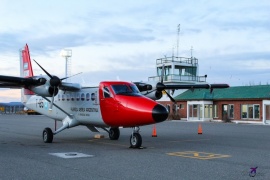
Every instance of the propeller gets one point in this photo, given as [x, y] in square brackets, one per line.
[55, 82]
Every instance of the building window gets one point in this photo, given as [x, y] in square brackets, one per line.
[208, 111]
[168, 108]
[250, 111]
[231, 111]
[181, 106]
[215, 111]
[175, 108]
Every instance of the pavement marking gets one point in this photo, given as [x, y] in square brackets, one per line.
[69, 155]
[198, 155]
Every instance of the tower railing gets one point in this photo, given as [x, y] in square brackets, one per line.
[191, 61]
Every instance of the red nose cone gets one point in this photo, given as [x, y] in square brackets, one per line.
[159, 113]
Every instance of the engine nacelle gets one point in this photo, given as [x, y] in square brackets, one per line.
[44, 90]
[155, 95]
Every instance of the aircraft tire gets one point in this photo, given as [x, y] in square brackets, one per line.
[135, 140]
[114, 133]
[47, 135]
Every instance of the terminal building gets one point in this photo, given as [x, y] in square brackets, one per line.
[240, 103]
[11, 108]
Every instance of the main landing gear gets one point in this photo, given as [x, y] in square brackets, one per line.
[47, 135]
[114, 133]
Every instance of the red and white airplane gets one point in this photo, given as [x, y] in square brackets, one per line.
[109, 105]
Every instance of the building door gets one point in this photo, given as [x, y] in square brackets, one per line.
[194, 111]
[224, 111]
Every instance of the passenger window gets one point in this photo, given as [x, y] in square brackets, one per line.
[59, 97]
[87, 96]
[72, 97]
[68, 97]
[82, 97]
[63, 97]
[106, 92]
[78, 96]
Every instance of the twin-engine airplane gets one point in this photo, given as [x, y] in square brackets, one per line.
[108, 106]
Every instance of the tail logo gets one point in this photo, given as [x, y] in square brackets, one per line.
[25, 66]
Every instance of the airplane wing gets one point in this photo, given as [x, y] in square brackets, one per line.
[160, 86]
[154, 91]
[21, 82]
[17, 82]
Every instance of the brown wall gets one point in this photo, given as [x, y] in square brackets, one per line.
[237, 107]
[182, 113]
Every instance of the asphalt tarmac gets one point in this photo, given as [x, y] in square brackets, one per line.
[223, 151]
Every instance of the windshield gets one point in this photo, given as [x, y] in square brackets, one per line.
[126, 89]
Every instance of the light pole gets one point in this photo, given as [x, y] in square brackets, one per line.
[67, 53]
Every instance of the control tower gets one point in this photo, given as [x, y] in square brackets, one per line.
[177, 70]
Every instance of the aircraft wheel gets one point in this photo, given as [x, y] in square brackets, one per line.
[114, 133]
[135, 140]
[47, 135]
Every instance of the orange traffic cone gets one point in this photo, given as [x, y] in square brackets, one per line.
[154, 132]
[200, 129]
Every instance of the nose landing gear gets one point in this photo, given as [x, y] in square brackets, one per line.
[135, 138]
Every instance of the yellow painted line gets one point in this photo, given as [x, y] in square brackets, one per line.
[198, 155]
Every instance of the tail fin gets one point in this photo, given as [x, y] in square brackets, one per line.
[25, 71]
[26, 66]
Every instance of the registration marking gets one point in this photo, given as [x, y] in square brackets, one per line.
[198, 155]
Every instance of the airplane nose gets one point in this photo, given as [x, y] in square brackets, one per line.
[159, 113]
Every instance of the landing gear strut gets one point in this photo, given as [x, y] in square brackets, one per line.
[135, 138]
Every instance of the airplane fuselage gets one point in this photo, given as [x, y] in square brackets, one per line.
[111, 104]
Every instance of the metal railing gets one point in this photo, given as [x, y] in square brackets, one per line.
[178, 78]
[192, 60]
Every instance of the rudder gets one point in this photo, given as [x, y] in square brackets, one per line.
[26, 71]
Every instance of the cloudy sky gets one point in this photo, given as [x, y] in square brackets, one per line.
[117, 39]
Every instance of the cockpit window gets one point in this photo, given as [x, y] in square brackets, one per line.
[106, 92]
[125, 89]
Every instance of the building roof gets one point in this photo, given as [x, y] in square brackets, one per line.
[12, 104]
[232, 93]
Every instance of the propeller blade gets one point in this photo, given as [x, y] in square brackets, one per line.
[51, 105]
[70, 76]
[43, 69]
[171, 98]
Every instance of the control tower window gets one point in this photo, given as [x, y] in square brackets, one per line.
[167, 70]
